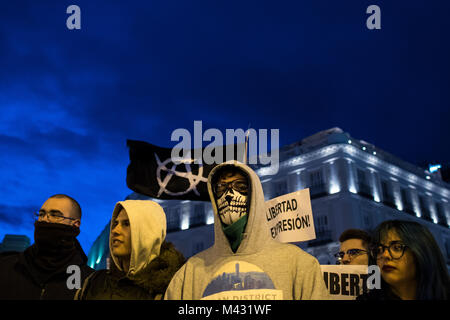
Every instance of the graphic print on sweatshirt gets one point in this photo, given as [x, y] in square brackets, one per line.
[240, 280]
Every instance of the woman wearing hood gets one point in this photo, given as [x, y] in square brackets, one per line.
[142, 263]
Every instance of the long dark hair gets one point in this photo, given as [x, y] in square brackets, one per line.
[431, 271]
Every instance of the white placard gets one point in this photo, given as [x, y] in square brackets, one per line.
[290, 218]
[345, 282]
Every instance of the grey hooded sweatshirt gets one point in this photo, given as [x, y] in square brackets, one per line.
[261, 268]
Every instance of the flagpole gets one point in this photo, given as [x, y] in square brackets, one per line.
[246, 144]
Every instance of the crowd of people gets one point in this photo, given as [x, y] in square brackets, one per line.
[145, 266]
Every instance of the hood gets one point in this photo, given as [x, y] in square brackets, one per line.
[256, 233]
[148, 231]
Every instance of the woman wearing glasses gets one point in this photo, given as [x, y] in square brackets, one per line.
[411, 263]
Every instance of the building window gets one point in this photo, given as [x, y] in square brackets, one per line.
[424, 209]
[316, 178]
[173, 218]
[442, 219]
[321, 224]
[407, 203]
[363, 186]
[316, 184]
[388, 197]
[279, 188]
[323, 233]
[198, 216]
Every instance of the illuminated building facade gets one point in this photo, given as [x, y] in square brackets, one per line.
[352, 183]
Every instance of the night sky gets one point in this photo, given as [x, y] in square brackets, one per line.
[138, 70]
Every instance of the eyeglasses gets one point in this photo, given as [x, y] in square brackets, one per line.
[53, 215]
[396, 250]
[352, 253]
[237, 185]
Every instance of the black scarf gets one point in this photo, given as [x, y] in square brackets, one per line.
[55, 247]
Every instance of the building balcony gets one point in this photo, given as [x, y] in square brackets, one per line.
[409, 209]
[390, 202]
[173, 227]
[318, 191]
[365, 191]
[425, 213]
[443, 223]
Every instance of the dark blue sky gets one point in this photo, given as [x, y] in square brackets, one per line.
[69, 99]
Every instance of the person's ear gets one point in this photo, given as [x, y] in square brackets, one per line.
[77, 223]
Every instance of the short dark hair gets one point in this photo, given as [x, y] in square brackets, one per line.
[355, 234]
[75, 205]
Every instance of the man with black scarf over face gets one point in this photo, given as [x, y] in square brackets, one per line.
[40, 272]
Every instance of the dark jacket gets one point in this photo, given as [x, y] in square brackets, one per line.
[20, 278]
[114, 284]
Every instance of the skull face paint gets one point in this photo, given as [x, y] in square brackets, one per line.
[232, 205]
[231, 193]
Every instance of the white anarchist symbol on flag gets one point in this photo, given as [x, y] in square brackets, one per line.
[193, 179]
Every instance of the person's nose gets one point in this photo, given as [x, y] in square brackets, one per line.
[45, 218]
[116, 230]
[346, 259]
[385, 255]
[229, 196]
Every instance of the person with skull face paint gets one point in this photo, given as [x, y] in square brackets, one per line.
[231, 192]
[40, 272]
[245, 262]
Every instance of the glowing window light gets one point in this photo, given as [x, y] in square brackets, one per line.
[349, 141]
[374, 153]
[185, 223]
[376, 195]
[210, 219]
[334, 188]
[364, 148]
[351, 178]
[428, 177]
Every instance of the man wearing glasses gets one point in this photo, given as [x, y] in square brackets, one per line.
[40, 272]
[354, 248]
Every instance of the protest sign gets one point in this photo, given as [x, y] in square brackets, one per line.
[290, 218]
[345, 282]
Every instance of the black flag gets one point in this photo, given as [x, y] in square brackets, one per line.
[152, 172]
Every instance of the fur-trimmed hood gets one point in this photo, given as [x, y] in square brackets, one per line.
[156, 277]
